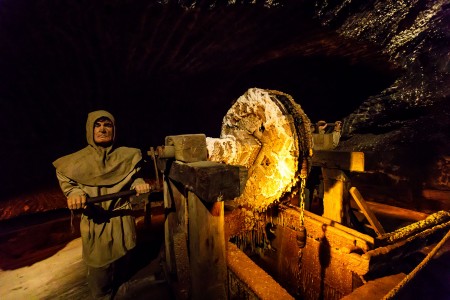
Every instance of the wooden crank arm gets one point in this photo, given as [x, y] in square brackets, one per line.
[92, 200]
[98, 199]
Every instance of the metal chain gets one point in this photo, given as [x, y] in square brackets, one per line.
[302, 200]
[302, 217]
[300, 259]
[303, 175]
[301, 236]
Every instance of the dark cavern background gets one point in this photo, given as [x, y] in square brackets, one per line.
[175, 67]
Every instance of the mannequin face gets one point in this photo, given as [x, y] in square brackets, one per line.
[103, 132]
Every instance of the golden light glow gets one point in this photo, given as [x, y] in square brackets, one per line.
[259, 133]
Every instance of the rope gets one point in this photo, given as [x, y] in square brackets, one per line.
[417, 269]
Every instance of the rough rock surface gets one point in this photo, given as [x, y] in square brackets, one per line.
[407, 124]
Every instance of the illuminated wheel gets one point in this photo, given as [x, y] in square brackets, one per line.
[267, 132]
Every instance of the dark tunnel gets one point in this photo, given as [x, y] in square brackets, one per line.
[162, 70]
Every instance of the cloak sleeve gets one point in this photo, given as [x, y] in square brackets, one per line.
[69, 187]
[137, 177]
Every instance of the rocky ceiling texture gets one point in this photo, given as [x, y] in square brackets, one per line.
[175, 67]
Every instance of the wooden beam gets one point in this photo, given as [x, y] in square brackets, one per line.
[248, 280]
[210, 181]
[348, 161]
[176, 237]
[376, 289]
[396, 212]
[339, 236]
[439, 198]
[371, 218]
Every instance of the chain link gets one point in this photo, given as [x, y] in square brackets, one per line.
[302, 218]
[301, 235]
[300, 257]
[302, 201]
[303, 175]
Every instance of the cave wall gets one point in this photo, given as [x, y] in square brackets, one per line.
[407, 124]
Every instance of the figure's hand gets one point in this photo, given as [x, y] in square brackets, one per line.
[142, 188]
[76, 201]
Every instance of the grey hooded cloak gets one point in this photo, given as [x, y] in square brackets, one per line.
[98, 171]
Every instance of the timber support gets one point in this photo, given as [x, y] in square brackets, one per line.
[194, 195]
[336, 184]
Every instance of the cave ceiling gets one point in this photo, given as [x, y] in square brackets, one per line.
[175, 67]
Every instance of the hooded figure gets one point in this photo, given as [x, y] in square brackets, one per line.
[95, 170]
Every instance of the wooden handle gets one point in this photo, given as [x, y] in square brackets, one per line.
[107, 197]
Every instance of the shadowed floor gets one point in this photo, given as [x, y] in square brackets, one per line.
[62, 275]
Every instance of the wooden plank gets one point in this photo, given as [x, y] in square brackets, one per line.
[339, 235]
[371, 218]
[376, 289]
[343, 160]
[211, 181]
[438, 198]
[252, 279]
[207, 249]
[396, 212]
[315, 257]
[343, 229]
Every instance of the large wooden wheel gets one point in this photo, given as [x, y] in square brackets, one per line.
[267, 132]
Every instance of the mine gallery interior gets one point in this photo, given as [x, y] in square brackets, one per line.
[159, 149]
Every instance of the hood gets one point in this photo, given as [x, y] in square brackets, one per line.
[92, 117]
[95, 165]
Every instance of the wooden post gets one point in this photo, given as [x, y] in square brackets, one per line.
[335, 194]
[336, 183]
[194, 191]
[207, 249]
[176, 238]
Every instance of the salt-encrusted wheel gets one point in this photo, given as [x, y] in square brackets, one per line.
[267, 132]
